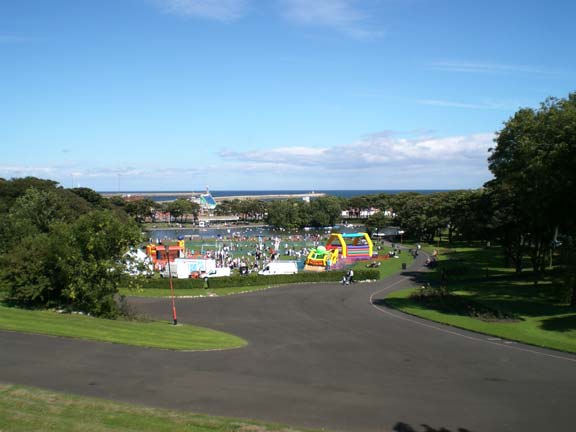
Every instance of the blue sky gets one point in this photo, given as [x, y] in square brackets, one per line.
[276, 94]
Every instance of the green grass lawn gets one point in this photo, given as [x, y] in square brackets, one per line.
[25, 409]
[155, 334]
[476, 275]
[389, 266]
[551, 331]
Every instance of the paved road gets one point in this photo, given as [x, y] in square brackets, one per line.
[322, 356]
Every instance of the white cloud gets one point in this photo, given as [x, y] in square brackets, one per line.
[485, 68]
[373, 163]
[288, 156]
[219, 10]
[377, 151]
[62, 171]
[342, 15]
[379, 161]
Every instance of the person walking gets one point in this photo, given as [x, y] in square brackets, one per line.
[348, 277]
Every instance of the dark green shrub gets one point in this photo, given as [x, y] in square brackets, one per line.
[260, 280]
[443, 300]
[454, 268]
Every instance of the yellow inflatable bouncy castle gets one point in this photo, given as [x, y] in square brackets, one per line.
[357, 245]
[320, 257]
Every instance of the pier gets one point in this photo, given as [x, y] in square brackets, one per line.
[270, 197]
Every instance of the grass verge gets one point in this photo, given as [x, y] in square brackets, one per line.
[530, 330]
[487, 298]
[388, 267]
[155, 334]
[27, 409]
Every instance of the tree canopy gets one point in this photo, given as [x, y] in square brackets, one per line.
[534, 167]
[60, 250]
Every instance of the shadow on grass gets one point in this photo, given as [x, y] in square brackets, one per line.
[476, 262]
[454, 305]
[417, 277]
[478, 287]
[525, 307]
[560, 324]
[502, 289]
[405, 427]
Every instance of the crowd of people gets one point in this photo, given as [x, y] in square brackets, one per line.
[247, 253]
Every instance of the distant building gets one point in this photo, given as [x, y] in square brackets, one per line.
[206, 201]
[366, 213]
[390, 233]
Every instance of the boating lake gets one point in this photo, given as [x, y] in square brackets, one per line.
[163, 234]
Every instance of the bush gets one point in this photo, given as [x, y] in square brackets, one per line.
[75, 266]
[260, 280]
[441, 299]
[455, 268]
[428, 293]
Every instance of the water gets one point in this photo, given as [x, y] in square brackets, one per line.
[214, 233]
[337, 193]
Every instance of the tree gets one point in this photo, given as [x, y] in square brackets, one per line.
[10, 190]
[225, 208]
[378, 221]
[36, 210]
[286, 214]
[93, 197]
[461, 212]
[252, 209]
[194, 210]
[141, 210]
[413, 215]
[179, 209]
[323, 212]
[78, 266]
[59, 250]
[534, 165]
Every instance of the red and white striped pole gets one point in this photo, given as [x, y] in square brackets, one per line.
[174, 317]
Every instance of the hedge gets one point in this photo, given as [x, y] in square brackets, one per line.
[260, 280]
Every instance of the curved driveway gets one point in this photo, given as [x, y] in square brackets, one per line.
[321, 356]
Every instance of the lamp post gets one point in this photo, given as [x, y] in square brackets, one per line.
[167, 248]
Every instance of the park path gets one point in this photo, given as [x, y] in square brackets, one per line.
[321, 356]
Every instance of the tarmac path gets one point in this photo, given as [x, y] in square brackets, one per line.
[322, 356]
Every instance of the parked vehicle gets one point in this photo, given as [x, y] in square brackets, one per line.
[184, 268]
[280, 267]
[219, 272]
[173, 269]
